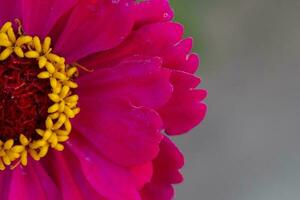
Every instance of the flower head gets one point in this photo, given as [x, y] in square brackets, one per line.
[36, 97]
[125, 64]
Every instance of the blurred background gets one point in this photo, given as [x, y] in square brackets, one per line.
[248, 147]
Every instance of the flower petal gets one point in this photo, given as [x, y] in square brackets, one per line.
[158, 191]
[165, 172]
[5, 179]
[182, 114]
[110, 180]
[69, 176]
[10, 10]
[142, 174]
[179, 114]
[167, 164]
[32, 183]
[140, 80]
[94, 25]
[125, 134]
[145, 41]
[166, 43]
[113, 113]
[40, 16]
[153, 11]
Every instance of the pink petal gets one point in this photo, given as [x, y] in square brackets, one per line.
[125, 134]
[32, 183]
[182, 114]
[105, 34]
[179, 114]
[142, 81]
[142, 174]
[144, 41]
[72, 183]
[94, 25]
[166, 43]
[167, 164]
[157, 191]
[5, 179]
[110, 180]
[10, 10]
[192, 63]
[176, 56]
[153, 11]
[165, 173]
[112, 114]
[40, 16]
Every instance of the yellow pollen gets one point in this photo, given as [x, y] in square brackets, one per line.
[64, 107]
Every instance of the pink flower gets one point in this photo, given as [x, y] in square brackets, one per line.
[136, 88]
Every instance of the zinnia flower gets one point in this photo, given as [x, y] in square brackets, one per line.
[90, 92]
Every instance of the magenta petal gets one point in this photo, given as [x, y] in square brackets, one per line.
[192, 63]
[158, 191]
[153, 11]
[165, 172]
[142, 174]
[142, 85]
[40, 16]
[139, 80]
[69, 176]
[167, 164]
[145, 41]
[10, 10]
[186, 115]
[64, 178]
[125, 134]
[5, 179]
[182, 114]
[32, 183]
[179, 114]
[113, 116]
[175, 56]
[110, 180]
[166, 44]
[94, 25]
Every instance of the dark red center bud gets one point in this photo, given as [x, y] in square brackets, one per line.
[24, 98]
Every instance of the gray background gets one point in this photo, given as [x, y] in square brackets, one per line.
[248, 147]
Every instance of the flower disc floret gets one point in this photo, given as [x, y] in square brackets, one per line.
[37, 97]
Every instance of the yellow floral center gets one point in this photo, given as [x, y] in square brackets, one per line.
[21, 56]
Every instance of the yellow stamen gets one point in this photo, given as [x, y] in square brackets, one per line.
[6, 53]
[5, 27]
[64, 107]
[37, 44]
[23, 40]
[46, 44]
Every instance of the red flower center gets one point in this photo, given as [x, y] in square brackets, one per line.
[23, 98]
[36, 97]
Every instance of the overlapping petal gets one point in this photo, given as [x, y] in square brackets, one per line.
[165, 172]
[99, 25]
[179, 114]
[32, 183]
[107, 178]
[39, 17]
[70, 179]
[143, 83]
[182, 114]
[140, 80]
